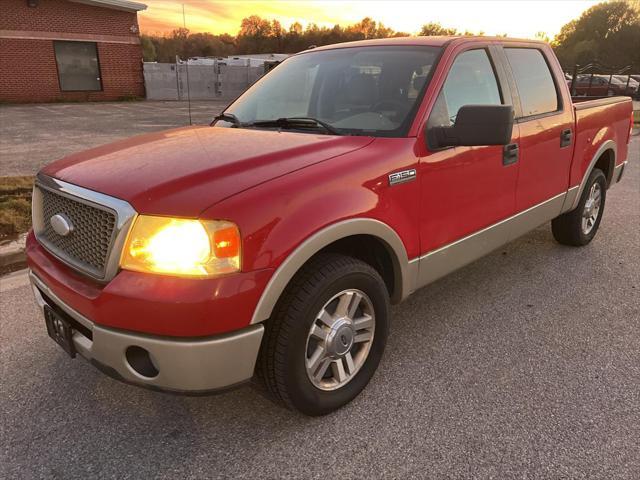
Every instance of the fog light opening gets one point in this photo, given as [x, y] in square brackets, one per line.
[140, 361]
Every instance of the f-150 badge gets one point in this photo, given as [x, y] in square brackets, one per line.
[401, 177]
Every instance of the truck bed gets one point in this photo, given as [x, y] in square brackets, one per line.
[599, 120]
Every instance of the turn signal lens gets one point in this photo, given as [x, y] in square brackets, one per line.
[226, 242]
[182, 247]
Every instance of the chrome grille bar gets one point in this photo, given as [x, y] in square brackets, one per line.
[100, 224]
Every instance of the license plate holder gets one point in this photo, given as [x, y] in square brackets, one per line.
[59, 330]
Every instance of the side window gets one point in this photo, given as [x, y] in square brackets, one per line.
[471, 81]
[535, 84]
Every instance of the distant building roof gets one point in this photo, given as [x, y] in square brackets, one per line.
[256, 60]
[115, 4]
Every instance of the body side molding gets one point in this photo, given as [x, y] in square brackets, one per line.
[404, 273]
[446, 259]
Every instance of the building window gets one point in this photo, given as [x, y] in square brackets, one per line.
[78, 66]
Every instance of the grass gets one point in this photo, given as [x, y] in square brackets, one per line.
[15, 206]
[130, 98]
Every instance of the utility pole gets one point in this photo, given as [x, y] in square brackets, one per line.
[184, 24]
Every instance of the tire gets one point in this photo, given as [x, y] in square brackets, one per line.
[287, 349]
[568, 228]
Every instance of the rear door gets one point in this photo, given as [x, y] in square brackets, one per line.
[465, 189]
[545, 121]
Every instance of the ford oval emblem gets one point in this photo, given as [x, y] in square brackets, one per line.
[61, 224]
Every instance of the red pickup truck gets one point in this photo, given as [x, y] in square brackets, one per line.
[271, 243]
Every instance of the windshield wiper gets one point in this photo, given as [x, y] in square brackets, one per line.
[227, 117]
[293, 122]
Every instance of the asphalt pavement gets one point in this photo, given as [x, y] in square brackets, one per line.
[525, 364]
[36, 134]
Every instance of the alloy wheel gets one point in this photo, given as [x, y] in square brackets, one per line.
[591, 208]
[340, 339]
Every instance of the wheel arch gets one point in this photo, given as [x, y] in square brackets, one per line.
[604, 158]
[404, 272]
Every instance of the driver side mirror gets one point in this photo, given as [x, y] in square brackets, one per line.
[475, 125]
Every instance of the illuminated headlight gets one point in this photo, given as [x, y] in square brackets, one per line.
[182, 247]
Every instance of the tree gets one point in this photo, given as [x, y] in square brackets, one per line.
[148, 49]
[261, 35]
[295, 28]
[363, 30]
[384, 32]
[277, 33]
[608, 32]
[253, 35]
[435, 29]
[543, 36]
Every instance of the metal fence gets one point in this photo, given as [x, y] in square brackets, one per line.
[179, 81]
[597, 80]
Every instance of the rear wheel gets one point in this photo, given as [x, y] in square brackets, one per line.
[579, 226]
[327, 335]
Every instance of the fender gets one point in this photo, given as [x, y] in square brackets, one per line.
[574, 193]
[404, 272]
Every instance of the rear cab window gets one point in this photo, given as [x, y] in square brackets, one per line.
[534, 80]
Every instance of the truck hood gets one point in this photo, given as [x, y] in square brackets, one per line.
[182, 172]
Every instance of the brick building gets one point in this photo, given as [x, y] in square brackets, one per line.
[56, 50]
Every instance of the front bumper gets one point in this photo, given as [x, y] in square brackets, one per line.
[179, 365]
[150, 304]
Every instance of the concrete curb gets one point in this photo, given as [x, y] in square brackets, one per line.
[12, 253]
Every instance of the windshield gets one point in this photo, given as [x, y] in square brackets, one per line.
[364, 90]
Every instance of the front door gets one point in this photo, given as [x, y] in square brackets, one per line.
[465, 189]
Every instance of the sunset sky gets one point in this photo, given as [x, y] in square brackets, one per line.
[516, 18]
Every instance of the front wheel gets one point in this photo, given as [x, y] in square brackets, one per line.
[579, 226]
[327, 335]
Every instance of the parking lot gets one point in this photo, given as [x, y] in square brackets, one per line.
[34, 135]
[525, 364]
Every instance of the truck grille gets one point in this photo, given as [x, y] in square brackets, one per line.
[88, 245]
[83, 228]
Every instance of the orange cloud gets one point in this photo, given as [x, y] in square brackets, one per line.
[225, 16]
[518, 19]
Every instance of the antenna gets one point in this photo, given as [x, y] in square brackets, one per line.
[184, 24]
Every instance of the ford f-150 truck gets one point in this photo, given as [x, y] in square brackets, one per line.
[270, 244]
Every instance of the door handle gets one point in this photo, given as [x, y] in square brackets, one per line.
[510, 154]
[565, 138]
